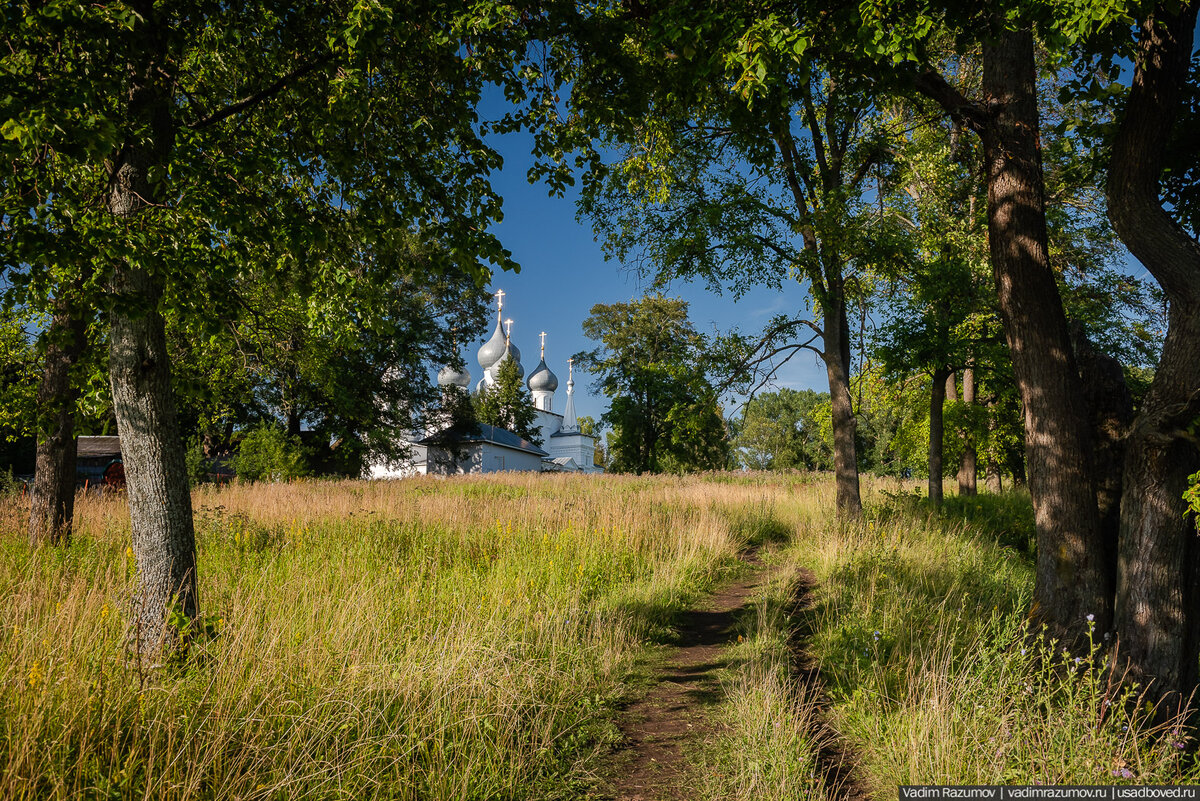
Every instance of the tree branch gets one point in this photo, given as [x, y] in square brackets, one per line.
[961, 108]
[238, 106]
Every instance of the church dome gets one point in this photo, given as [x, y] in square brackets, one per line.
[511, 353]
[448, 376]
[493, 349]
[542, 380]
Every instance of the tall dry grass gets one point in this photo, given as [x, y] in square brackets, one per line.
[424, 639]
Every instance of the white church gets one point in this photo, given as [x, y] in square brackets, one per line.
[488, 449]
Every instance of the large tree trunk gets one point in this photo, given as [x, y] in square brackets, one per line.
[160, 503]
[1071, 582]
[52, 499]
[942, 381]
[1158, 589]
[1111, 412]
[837, 369]
[967, 477]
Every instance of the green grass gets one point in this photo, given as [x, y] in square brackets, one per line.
[920, 634]
[476, 639]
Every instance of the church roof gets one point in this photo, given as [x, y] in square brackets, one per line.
[575, 433]
[481, 433]
[564, 463]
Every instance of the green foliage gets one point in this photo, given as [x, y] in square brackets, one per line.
[508, 404]
[348, 360]
[359, 127]
[283, 164]
[782, 431]
[663, 413]
[1192, 496]
[593, 428]
[267, 453]
[197, 464]
[9, 485]
[19, 369]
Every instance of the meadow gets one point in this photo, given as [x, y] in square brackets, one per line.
[477, 638]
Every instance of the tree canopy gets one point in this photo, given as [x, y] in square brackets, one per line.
[664, 413]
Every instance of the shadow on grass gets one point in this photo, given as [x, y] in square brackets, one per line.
[1006, 518]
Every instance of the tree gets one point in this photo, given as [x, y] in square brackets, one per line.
[768, 188]
[779, 431]
[139, 139]
[507, 404]
[591, 427]
[1156, 600]
[664, 413]
[349, 361]
[52, 497]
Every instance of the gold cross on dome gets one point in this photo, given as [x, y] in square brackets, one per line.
[500, 300]
[508, 333]
[543, 335]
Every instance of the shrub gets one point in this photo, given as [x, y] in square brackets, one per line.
[267, 453]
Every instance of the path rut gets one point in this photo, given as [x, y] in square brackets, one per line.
[659, 727]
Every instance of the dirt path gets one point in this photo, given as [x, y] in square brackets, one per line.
[661, 726]
[673, 717]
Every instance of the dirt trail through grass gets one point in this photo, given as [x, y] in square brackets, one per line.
[670, 719]
[667, 728]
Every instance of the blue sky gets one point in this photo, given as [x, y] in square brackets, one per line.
[563, 273]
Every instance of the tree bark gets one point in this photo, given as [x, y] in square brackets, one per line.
[837, 369]
[1071, 582]
[967, 477]
[1111, 413]
[52, 498]
[943, 380]
[992, 480]
[160, 503]
[1158, 588]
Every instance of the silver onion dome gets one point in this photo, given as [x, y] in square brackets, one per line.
[448, 376]
[541, 379]
[493, 349]
[511, 353]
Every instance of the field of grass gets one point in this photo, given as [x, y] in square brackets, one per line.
[475, 638]
[917, 630]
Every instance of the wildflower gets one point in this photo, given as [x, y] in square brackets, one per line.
[1091, 618]
[35, 674]
[1178, 744]
[877, 636]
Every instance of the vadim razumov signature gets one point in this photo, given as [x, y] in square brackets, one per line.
[997, 792]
